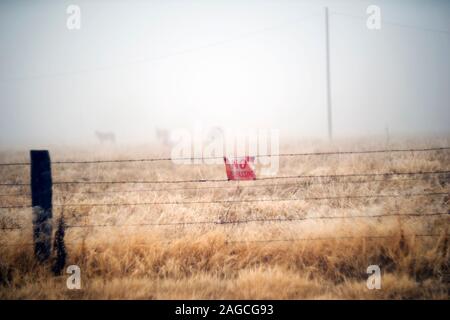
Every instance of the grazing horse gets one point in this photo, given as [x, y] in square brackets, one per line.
[163, 135]
[105, 136]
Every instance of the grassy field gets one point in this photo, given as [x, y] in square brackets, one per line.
[123, 255]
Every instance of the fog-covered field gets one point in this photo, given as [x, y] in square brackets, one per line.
[154, 245]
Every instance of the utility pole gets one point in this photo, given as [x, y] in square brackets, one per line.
[327, 48]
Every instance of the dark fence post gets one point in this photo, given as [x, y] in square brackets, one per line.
[41, 200]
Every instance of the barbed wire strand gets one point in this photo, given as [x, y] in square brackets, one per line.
[325, 176]
[260, 200]
[337, 238]
[261, 240]
[221, 157]
[261, 220]
[235, 200]
[296, 184]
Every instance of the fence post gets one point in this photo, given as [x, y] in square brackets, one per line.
[41, 200]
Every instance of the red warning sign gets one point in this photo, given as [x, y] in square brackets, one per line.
[240, 168]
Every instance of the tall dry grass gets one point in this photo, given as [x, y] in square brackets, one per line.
[234, 261]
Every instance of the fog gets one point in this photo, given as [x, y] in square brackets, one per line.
[135, 66]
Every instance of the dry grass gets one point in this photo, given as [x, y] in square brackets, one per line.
[200, 262]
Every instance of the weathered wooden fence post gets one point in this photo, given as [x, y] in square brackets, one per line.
[41, 200]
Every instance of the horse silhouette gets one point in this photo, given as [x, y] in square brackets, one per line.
[104, 137]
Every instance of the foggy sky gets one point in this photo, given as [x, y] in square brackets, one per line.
[138, 65]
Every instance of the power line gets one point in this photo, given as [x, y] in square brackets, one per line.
[161, 57]
[210, 45]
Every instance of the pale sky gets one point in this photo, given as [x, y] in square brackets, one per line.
[138, 65]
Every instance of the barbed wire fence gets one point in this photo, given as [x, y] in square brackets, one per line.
[443, 176]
